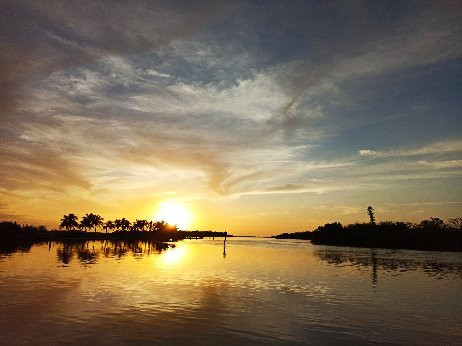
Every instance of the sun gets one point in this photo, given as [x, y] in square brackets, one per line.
[174, 213]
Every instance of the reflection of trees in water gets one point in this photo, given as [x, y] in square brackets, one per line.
[374, 274]
[87, 255]
[137, 249]
[64, 254]
[390, 262]
[88, 252]
[8, 248]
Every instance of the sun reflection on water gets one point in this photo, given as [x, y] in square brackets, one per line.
[174, 256]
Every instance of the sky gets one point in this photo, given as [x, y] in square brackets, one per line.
[259, 117]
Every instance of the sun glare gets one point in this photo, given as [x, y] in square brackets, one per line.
[173, 256]
[174, 213]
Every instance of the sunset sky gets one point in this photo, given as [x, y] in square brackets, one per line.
[258, 117]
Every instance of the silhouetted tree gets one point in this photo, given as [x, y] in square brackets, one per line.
[85, 222]
[455, 223]
[432, 224]
[97, 221]
[139, 225]
[109, 225]
[125, 224]
[370, 212]
[118, 224]
[159, 226]
[69, 222]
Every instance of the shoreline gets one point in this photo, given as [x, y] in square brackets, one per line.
[10, 232]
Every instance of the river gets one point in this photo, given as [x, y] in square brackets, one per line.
[256, 291]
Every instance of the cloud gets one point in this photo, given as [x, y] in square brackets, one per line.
[57, 35]
[215, 131]
[121, 103]
[155, 73]
[438, 148]
[431, 203]
[6, 213]
[441, 164]
[45, 147]
[367, 152]
[417, 37]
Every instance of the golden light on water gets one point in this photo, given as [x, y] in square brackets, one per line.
[173, 256]
[174, 213]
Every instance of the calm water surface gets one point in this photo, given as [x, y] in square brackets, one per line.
[260, 291]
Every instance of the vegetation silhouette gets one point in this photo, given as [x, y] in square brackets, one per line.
[88, 221]
[10, 231]
[306, 235]
[109, 225]
[119, 229]
[431, 234]
[69, 222]
[370, 212]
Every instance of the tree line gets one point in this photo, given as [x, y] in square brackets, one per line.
[70, 222]
[431, 234]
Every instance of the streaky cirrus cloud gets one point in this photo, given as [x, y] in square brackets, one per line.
[105, 103]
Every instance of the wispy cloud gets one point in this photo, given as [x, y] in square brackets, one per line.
[453, 146]
[418, 37]
[121, 103]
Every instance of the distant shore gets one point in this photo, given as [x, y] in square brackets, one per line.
[432, 235]
[12, 231]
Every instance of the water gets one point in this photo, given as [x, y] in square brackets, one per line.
[260, 291]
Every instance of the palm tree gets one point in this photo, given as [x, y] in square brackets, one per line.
[109, 225]
[86, 222]
[135, 226]
[159, 226]
[139, 225]
[97, 221]
[370, 212]
[117, 224]
[125, 224]
[69, 222]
